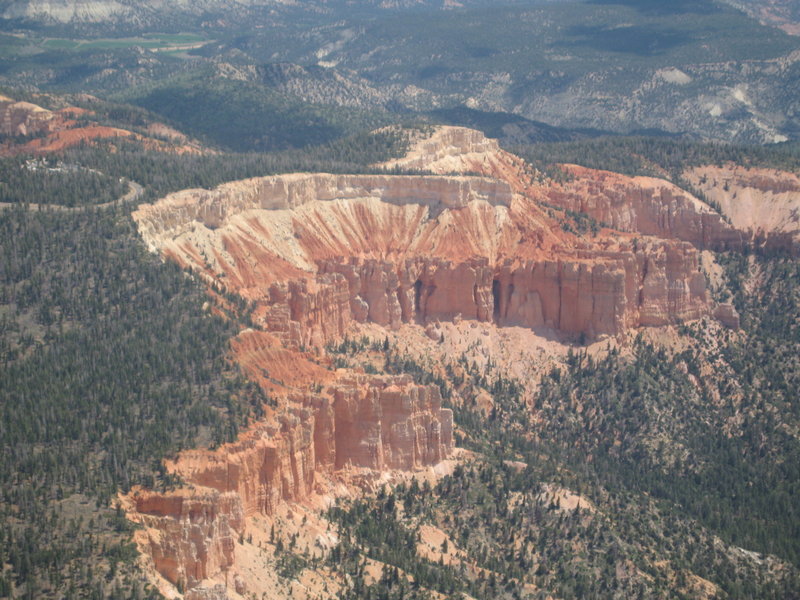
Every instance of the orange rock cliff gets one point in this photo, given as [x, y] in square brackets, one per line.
[764, 204]
[318, 253]
[372, 422]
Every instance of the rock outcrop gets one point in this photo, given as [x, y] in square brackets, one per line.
[24, 118]
[390, 423]
[191, 535]
[727, 314]
[764, 204]
[362, 421]
[318, 252]
[644, 205]
[448, 150]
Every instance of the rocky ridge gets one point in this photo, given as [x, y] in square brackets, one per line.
[360, 422]
[316, 254]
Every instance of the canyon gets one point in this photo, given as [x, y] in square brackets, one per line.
[317, 252]
[315, 255]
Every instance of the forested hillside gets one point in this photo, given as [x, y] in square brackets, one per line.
[109, 363]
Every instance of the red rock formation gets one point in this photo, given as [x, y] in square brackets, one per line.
[315, 253]
[365, 421]
[386, 249]
[274, 367]
[604, 292]
[191, 534]
[56, 130]
[402, 423]
[24, 118]
[390, 424]
[764, 204]
[641, 204]
[67, 138]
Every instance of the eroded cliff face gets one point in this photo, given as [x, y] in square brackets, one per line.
[762, 203]
[319, 252]
[759, 207]
[24, 118]
[449, 150]
[643, 204]
[359, 421]
[190, 535]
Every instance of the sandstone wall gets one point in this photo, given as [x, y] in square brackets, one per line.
[644, 205]
[762, 203]
[592, 293]
[393, 425]
[362, 421]
[191, 535]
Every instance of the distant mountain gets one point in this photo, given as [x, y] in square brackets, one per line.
[110, 11]
[700, 69]
[703, 70]
[150, 11]
[784, 14]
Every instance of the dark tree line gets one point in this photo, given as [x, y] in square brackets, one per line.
[25, 180]
[108, 363]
